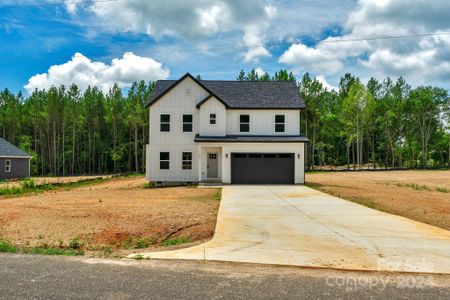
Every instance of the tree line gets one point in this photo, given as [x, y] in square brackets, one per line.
[381, 124]
[384, 124]
[72, 132]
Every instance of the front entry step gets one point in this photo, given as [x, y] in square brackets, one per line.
[210, 184]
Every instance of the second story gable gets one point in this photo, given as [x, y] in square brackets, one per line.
[180, 110]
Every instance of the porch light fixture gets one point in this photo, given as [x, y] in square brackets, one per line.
[298, 156]
[226, 155]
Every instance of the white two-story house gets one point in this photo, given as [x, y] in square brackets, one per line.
[225, 131]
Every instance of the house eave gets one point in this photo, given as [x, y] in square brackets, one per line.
[251, 139]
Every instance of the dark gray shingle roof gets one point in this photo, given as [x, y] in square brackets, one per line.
[242, 94]
[252, 139]
[8, 149]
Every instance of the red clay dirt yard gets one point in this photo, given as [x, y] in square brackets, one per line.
[118, 213]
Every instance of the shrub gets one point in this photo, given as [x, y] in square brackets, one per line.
[28, 184]
[76, 243]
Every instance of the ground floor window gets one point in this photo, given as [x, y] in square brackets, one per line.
[187, 160]
[7, 166]
[164, 160]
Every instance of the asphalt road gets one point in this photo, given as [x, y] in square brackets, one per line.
[46, 277]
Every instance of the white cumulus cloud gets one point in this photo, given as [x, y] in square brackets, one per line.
[412, 57]
[325, 83]
[188, 19]
[85, 72]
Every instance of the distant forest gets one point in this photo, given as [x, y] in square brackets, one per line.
[384, 124]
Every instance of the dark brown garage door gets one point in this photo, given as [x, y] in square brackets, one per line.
[262, 168]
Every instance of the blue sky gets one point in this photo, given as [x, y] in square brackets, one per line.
[105, 41]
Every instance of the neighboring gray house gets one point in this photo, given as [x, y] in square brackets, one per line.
[14, 163]
[225, 131]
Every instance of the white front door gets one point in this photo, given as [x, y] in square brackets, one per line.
[213, 166]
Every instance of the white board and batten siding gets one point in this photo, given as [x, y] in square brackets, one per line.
[177, 102]
[213, 106]
[262, 121]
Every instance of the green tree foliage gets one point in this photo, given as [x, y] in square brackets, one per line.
[70, 132]
[379, 124]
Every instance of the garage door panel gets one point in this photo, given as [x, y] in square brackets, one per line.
[262, 168]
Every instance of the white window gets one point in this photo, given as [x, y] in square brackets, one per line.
[212, 119]
[187, 161]
[280, 123]
[187, 123]
[164, 160]
[244, 123]
[7, 166]
[165, 123]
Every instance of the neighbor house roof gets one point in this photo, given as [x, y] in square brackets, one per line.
[240, 94]
[9, 150]
[252, 139]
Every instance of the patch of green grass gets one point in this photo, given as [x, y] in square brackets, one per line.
[175, 241]
[442, 189]
[45, 250]
[107, 251]
[138, 243]
[76, 243]
[29, 186]
[142, 243]
[149, 185]
[218, 195]
[138, 257]
[6, 247]
[414, 186]
[134, 174]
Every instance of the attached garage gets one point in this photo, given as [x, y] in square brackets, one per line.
[262, 168]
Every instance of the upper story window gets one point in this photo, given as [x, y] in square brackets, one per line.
[244, 123]
[165, 123]
[7, 166]
[164, 160]
[187, 123]
[188, 92]
[280, 123]
[212, 119]
[187, 161]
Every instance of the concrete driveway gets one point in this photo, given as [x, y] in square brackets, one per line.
[296, 225]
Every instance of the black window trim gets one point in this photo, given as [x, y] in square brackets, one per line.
[241, 123]
[161, 123]
[280, 123]
[164, 160]
[212, 117]
[187, 123]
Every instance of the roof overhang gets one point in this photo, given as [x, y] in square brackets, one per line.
[251, 139]
[187, 75]
[15, 156]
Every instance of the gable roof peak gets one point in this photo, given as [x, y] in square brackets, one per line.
[241, 94]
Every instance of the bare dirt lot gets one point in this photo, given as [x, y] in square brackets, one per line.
[419, 195]
[110, 213]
